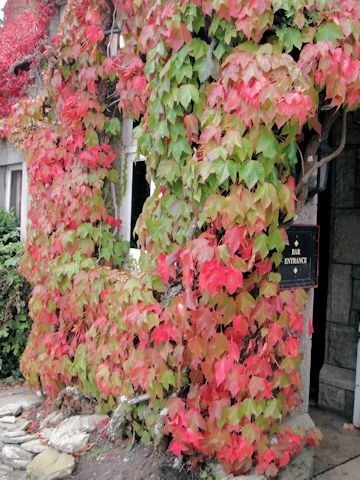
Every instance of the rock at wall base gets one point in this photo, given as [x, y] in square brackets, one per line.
[72, 434]
[51, 465]
[15, 456]
[300, 467]
[34, 446]
[219, 474]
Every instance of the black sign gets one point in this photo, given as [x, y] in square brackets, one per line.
[299, 267]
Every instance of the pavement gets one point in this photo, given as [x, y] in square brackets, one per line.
[348, 471]
[336, 458]
[338, 455]
[20, 396]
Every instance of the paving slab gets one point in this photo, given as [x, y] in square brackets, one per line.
[14, 391]
[20, 396]
[338, 445]
[347, 471]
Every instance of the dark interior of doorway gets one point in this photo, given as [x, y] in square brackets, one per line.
[320, 297]
[140, 192]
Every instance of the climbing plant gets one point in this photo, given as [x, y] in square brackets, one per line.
[21, 44]
[15, 291]
[225, 95]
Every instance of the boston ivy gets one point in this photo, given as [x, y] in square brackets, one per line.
[222, 92]
[20, 52]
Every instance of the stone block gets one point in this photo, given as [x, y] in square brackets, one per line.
[20, 424]
[349, 404]
[15, 456]
[51, 465]
[339, 300]
[338, 377]
[308, 214]
[300, 467]
[342, 346]
[332, 398]
[72, 434]
[305, 348]
[356, 272]
[346, 236]
[20, 400]
[356, 295]
[70, 442]
[303, 422]
[336, 389]
[354, 319]
[34, 446]
[344, 179]
[352, 131]
[53, 419]
[9, 420]
[16, 437]
[219, 473]
[5, 469]
[10, 410]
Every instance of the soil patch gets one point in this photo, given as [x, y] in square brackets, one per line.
[108, 462]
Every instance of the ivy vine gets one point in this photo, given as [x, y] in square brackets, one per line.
[223, 93]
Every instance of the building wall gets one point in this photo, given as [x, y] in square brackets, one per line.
[337, 376]
[13, 8]
[8, 156]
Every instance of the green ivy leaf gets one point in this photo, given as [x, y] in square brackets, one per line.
[276, 240]
[188, 93]
[220, 168]
[169, 170]
[273, 409]
[145, 438]
[275, 277]
[202, 67]
[253, 407]
[112, 126]
[289, 37]
[276, 258]
[91, 137]
[251, 171]
[234, 414]
[168, 379]
[291, 153]
[260, 245]
[249, 433]
[329, 31]
[267, 144]
[179, 148]
[113, 175]
[220, 50]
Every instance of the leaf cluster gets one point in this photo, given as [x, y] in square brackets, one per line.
[221, 92]
[15, 291]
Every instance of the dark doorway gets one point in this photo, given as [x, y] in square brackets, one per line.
[140, 192]
[321, 293]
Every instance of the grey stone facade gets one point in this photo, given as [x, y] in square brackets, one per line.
[337, 376]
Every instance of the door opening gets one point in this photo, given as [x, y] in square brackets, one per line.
[321, 293]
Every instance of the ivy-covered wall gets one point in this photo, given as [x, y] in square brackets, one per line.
[225, 96]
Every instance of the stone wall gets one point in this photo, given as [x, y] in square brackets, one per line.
[337, 376]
